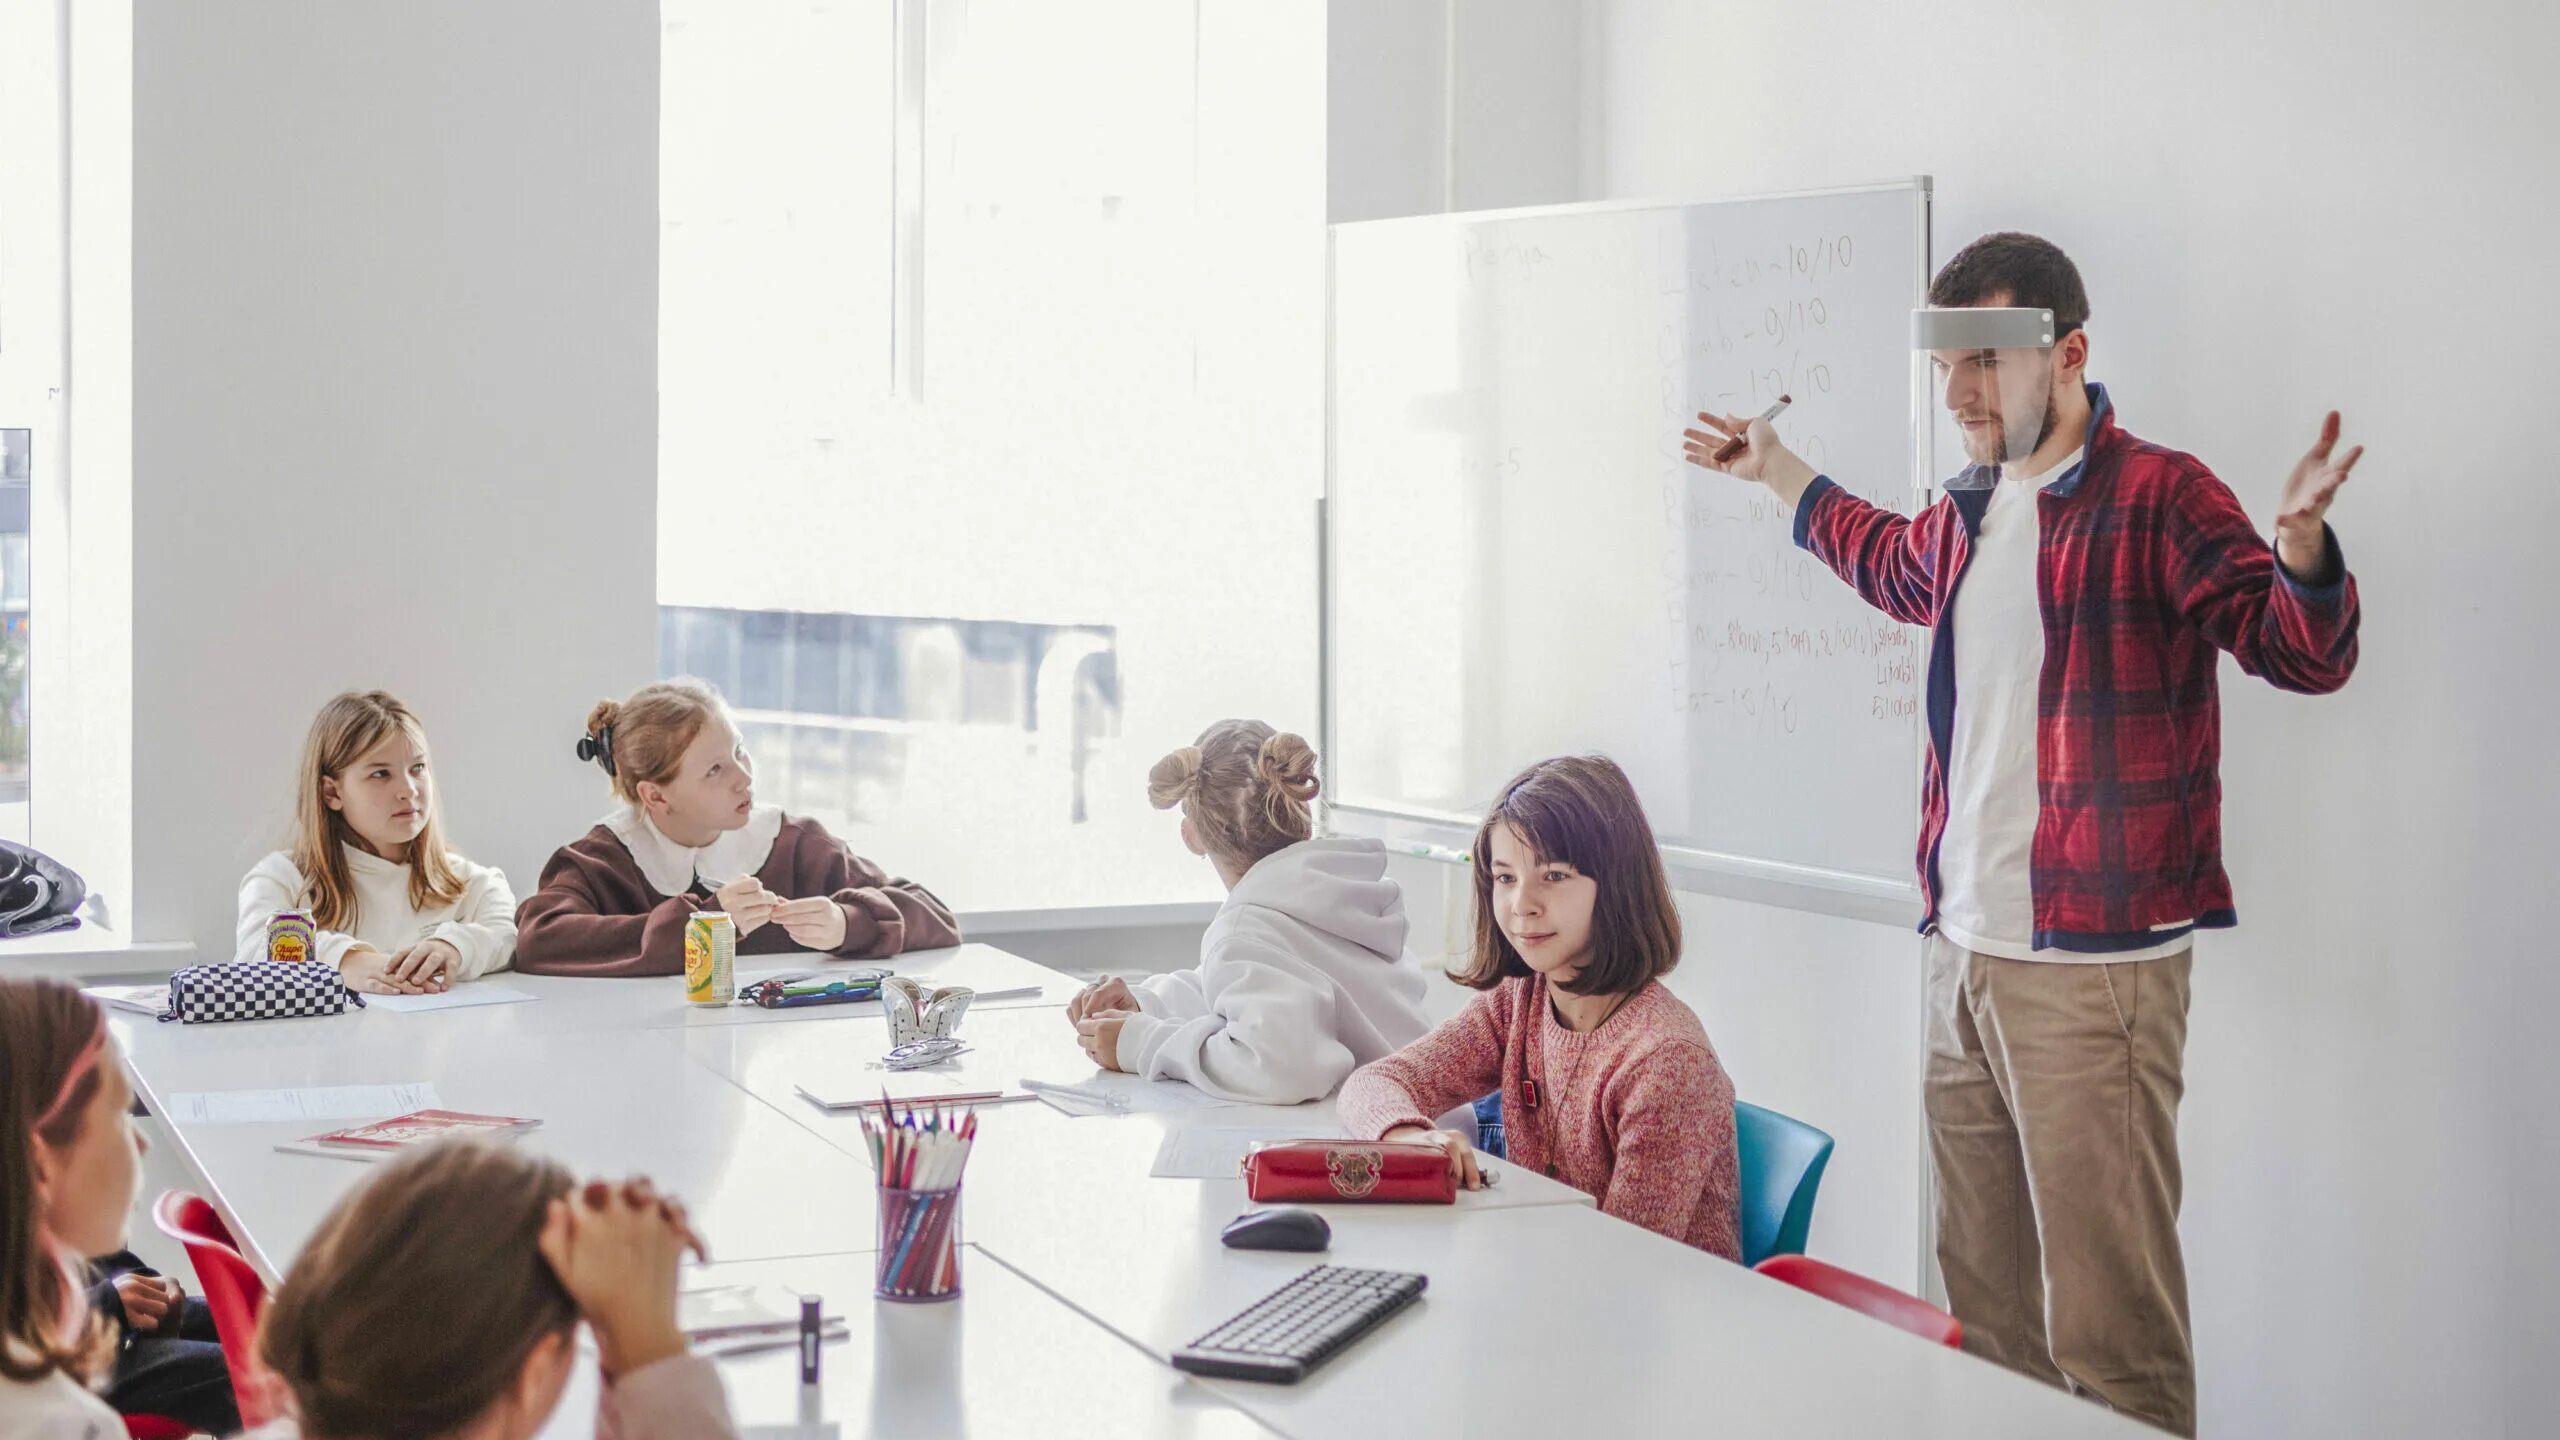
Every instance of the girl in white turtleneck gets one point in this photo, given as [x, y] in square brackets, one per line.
[397, 913]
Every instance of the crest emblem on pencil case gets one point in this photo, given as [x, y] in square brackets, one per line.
[1354, 1173]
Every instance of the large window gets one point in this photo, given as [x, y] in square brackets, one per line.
[991, 382]
[17, 472]
[33, 367]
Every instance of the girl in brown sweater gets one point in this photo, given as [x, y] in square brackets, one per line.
[688, 836]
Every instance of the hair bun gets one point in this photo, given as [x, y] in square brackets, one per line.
[1173, 778]
[1288, 764]
[603, 716]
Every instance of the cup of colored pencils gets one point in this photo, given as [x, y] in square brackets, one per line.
[919, 1152]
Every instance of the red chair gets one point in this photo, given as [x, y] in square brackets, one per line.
[232, 1290]
[1867, 1297]
[155, 1427]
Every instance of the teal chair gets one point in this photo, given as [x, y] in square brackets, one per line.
[1782, 1163]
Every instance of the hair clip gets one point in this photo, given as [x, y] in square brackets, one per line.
[598, 748]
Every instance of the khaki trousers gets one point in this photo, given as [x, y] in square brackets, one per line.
[2052, 1095]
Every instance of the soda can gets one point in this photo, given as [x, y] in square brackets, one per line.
[710, 959]
[290, 937]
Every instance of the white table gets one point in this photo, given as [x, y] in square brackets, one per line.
[655, 1002]
[599, 1062]
[1544, 1317]
[1036, 1170]
[1551, 1321]
[610, 1103]
[1004, 1361]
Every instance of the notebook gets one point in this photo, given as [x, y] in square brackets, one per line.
[401, 1132]
[716, 1312]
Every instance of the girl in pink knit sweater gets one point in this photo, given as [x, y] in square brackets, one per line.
[1607, 1080]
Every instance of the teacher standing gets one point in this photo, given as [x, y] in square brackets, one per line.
[2078, 583]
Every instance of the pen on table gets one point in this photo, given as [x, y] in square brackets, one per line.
[1105, 1098]
[809, 1327]
[917, 1102]
[1016, 993]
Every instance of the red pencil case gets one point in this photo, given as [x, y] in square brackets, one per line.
[1381, 1172]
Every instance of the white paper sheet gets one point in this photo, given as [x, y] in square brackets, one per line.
[1142, 1096]
[142, 999]
[1203, 1152]
[327, 1102]
[904, 1087]
[475, 992]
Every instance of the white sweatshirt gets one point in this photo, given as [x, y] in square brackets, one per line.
[1303, 979]
[481, 925]
[56, 1407]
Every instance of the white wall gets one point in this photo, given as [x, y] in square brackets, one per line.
[1423, 117]
[394, 392]
[2279, 209]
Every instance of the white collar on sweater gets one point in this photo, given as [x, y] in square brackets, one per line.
[671, 868]
[364, 864]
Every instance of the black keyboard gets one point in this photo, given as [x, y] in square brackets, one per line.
[1301, 1325]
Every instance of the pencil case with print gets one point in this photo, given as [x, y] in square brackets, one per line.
[1381, 1172]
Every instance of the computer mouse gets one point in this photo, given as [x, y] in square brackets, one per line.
[1287, 1228]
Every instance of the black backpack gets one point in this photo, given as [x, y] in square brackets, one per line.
[37, 892]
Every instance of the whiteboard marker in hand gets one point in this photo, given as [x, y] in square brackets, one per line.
[1733, 448]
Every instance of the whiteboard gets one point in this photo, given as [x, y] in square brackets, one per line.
[1520, 565]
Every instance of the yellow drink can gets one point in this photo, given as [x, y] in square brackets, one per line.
[290, 937]
[710, 959]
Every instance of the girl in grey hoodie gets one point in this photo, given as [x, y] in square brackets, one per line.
[1303, 976]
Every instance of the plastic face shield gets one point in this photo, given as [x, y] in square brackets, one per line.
[1989, 374]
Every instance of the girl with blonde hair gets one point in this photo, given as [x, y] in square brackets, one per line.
[396, 912]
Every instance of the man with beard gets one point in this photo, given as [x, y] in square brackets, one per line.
[2078, 583]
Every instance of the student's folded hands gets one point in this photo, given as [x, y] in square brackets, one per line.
[150, 1302]
[426, 966]
[1102, 997]
[375, 973]
[615, 1248]
[1099, 1034]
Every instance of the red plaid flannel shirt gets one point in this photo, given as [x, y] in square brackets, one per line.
[2146, 565]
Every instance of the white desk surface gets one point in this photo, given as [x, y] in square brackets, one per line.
[612, 1103]
[656, 1002]
[1544, 1317]
[1035, 1169]
[1552, 1321]
[1004, 1361]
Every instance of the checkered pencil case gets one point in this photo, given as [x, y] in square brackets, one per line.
[256, 990]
